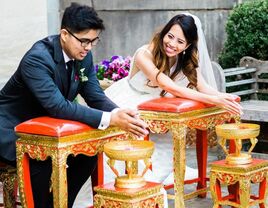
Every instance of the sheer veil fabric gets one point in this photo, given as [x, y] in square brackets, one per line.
[204, 61]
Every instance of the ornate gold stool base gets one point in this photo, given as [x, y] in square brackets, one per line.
[243, 158]
[148, 196]
[125, 182]
[238, 178]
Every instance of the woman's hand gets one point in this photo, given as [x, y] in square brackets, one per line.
[230, 96]
[128, 120]
[228, 102]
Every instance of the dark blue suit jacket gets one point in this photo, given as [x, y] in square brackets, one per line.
[39, 88]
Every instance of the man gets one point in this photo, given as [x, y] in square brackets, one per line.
[50, 75]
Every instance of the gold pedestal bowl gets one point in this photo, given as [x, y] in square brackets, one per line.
[130, 152]
[238, 133]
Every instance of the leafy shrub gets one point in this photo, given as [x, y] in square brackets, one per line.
[247, 29]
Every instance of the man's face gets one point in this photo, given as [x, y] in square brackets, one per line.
[77, 45]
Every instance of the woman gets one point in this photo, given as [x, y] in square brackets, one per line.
[174, 63]
[170, 66]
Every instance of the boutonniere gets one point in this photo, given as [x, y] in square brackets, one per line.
[81, 75]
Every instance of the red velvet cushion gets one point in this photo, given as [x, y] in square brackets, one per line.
[177, 105]
[51, 127]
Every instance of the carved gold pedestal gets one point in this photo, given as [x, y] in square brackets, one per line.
[148, 196]
[238, 178]
[130, 152]
[238, 133]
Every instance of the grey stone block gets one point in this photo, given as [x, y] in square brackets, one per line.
[162, 5]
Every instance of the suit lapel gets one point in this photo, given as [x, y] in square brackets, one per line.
[61, 75]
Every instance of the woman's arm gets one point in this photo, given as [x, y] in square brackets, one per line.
[203, 87]
[144, 62]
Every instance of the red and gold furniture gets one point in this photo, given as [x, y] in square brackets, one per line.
[238, 178]
[176, 115]
[45, 137]
[148, 196]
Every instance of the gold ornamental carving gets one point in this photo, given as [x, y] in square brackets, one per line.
[130, 152]
[152, 202]
[238, 133]
[157, 126]
[178, 134]
[41, 147]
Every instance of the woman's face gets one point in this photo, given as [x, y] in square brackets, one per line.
[174, 41]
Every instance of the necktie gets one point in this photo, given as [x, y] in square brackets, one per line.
[70, 68]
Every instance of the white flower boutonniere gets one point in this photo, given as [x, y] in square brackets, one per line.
[81, 76]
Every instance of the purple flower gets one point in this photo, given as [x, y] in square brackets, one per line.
[105, 63]
[114, 69]
[114, 58]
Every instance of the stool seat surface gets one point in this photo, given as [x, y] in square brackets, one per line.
[48, 126]
[255, 164]
[176, 105]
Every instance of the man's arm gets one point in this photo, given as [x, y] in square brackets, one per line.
[37, 73]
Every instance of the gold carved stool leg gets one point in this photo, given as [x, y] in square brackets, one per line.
[10, 190]
[214, 189]
[179, 135]
[244, 190]
[59, 179]
[8, 177]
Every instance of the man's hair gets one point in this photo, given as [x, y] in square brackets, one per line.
[77, 18]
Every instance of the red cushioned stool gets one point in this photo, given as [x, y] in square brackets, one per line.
[45, 137]
[176, 115]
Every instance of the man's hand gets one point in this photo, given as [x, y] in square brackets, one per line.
[128, 120]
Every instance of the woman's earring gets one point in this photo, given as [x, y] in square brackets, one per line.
[183, 52]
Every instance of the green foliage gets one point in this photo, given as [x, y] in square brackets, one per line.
[247, 29]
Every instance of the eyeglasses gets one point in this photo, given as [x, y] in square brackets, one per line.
[85, 42]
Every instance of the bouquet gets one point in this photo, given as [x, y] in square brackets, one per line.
[114, 69]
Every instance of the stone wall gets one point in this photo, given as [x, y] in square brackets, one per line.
[22, 23]
[130, 24]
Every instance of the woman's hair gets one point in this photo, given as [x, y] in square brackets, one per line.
[188, 61]
[77, 18]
